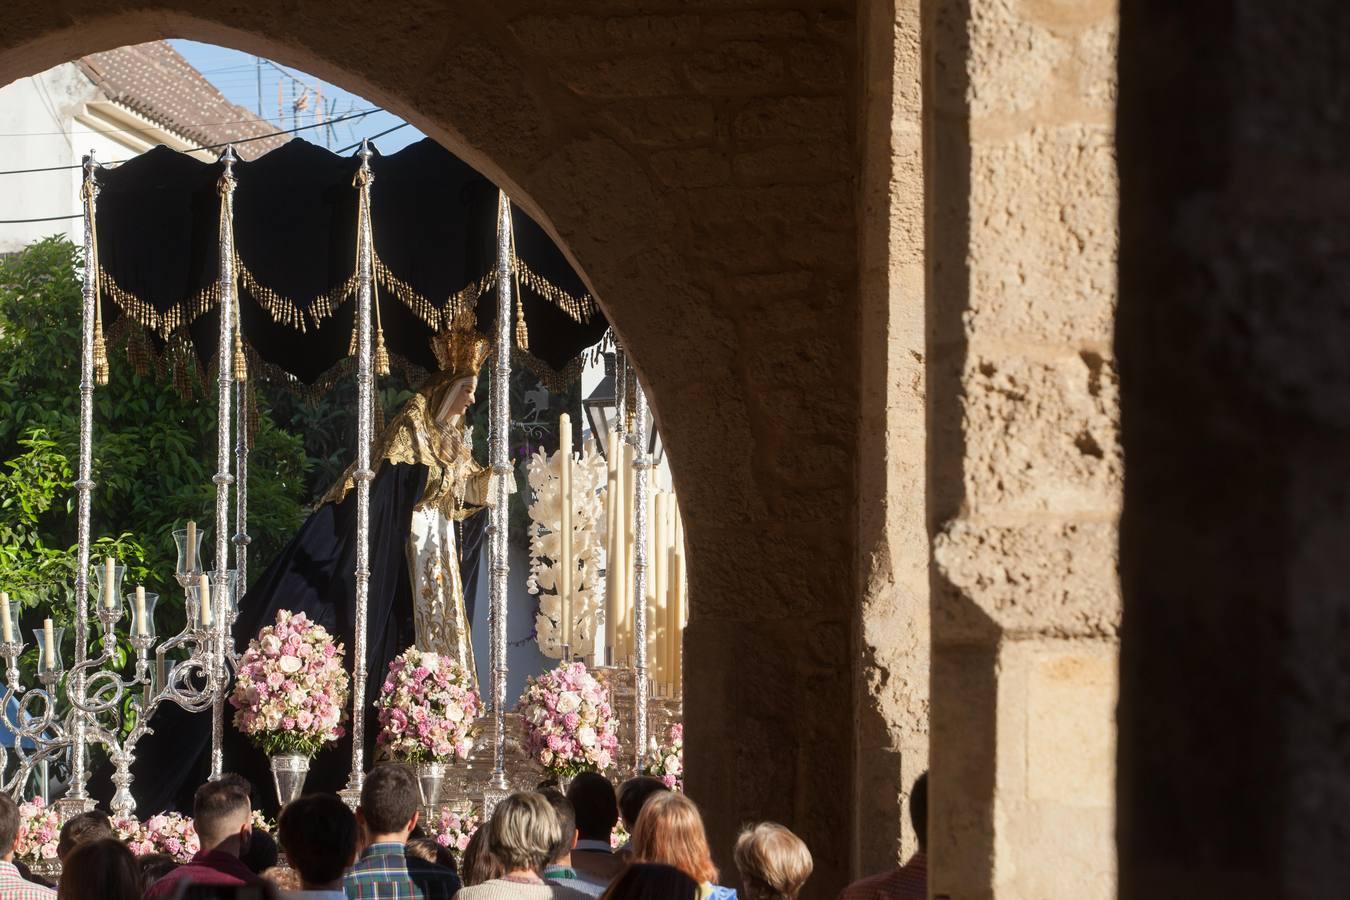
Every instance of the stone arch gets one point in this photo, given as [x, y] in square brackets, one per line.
[697, 166]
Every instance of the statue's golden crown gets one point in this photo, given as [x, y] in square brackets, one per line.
[460, 350]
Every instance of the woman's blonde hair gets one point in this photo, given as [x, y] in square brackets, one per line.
[523, 832]
[670, 831]
[774, 863]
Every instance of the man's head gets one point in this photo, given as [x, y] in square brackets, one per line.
[83, 829]
[389, 801]
[918, 810]
[634, 794]
[9, 826]
[596, 807]
[318, 833]
[567, 826]
[223, 817]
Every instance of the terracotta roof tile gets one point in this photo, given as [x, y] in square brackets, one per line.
[155, 81]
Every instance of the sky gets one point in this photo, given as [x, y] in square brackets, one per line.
[253, 82]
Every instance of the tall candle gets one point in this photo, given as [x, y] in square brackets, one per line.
[672, 648]
[660, 582]
[653, 621]
[6, 623]
[566, 566]
[49, 643]
[630, 598]
[142, 627]
[204, 600]
[681, 604]
[109, 583]
[191, 547]
[612, 579]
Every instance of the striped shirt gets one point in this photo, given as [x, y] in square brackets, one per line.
[909, 882]
[14, 887]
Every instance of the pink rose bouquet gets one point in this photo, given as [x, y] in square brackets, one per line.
[453, 830]
[171, 833]
[290, 692]
[667, 762]
[39, 830]
[569, 724]
[426, 708]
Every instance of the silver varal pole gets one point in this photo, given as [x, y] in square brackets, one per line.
[223, 478]
[641, 469]
[77, 798]
[364, 474]
[499, 441]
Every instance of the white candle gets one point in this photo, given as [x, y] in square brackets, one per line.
[629, 595]
[191, 547]
[6, 623]
[49, 643]
[656, 625]
[612, 552]
[204, 598]
[142, 627]
[109, 583]
[566, 564]
[672, 649]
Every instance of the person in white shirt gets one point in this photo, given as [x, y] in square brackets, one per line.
[318, 832]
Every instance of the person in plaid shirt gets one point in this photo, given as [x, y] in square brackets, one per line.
[12, 884]
[388, 813]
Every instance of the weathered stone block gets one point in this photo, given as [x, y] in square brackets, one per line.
[739, 67]
[791, 119]
[638, 76]
[695, 168]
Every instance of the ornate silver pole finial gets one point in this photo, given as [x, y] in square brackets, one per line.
[223, 477]
[641, 467]
[365, 381]
[499, 441]
[77, 800]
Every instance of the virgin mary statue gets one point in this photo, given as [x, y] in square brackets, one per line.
[425, 480]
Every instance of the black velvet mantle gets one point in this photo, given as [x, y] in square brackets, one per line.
[295, 210]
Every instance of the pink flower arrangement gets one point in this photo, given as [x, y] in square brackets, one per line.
[667, 762]
[453, 830]
[39, 830]
[426, 708]
[171, 833]
[290, 693]
[569, 724]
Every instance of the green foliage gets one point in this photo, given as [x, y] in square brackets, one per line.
[154, 454]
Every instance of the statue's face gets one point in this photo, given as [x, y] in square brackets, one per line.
[457, 400]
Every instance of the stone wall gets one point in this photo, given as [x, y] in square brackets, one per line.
[697, 161]
[1024, 465]
[892, 627]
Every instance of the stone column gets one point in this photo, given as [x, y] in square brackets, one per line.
[1233, 334]
[1025, 467]
[890, 680]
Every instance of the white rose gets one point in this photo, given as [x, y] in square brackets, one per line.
[290, 664]
[454, 713]
[568, 702]
[271, 643]
[430, 661]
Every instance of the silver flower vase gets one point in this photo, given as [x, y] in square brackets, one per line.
[431, 780]
[288, 774]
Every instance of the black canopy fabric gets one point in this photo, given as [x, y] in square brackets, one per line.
[434, 222]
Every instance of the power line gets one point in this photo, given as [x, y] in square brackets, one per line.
[212, 147]
[23, 134]
[261, 137]
[371, 138]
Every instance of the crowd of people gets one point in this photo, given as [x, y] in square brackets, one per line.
[537, 845]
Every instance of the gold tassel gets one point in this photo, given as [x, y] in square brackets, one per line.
[100, 356]
[354, 346]
[522, 333]
[240, 362]
[381, 354]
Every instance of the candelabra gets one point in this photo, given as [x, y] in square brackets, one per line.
[114, 708]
